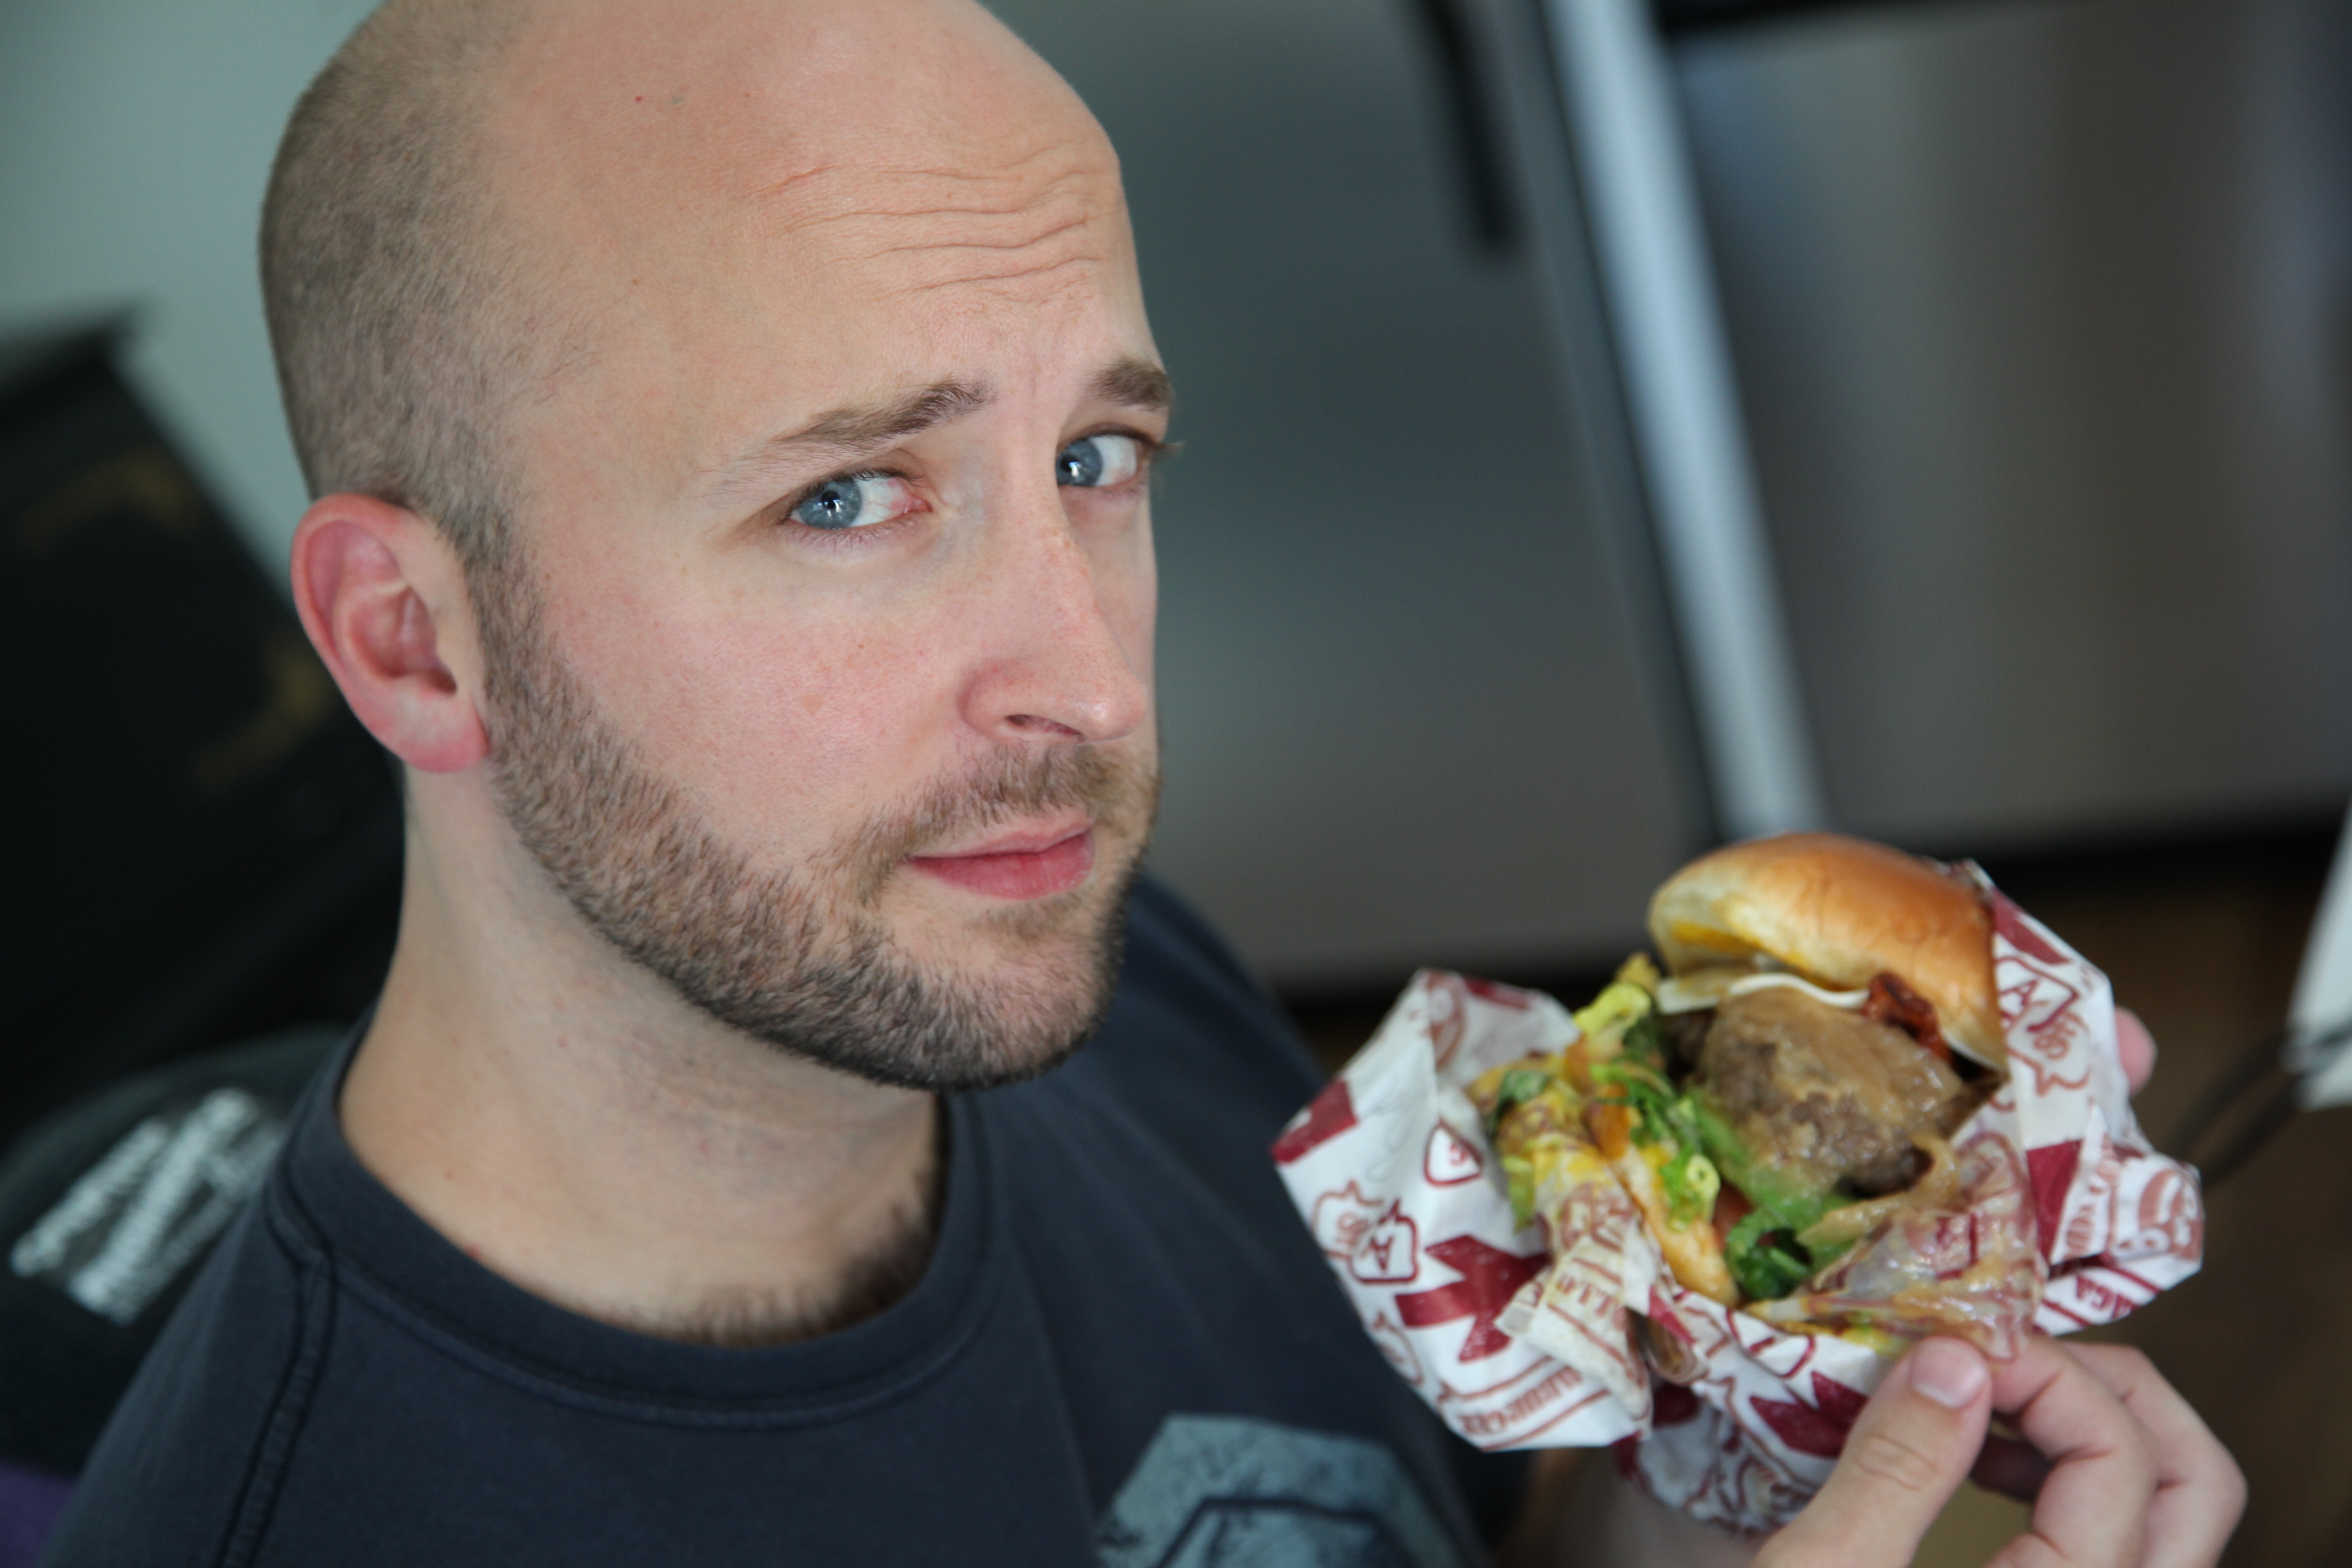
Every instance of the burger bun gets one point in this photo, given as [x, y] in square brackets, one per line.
[1838, 912]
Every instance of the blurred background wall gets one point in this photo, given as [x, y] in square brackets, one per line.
[1411, 705]
[1407, 704]
[2037, 314]
[2043, 314]
[135, 137]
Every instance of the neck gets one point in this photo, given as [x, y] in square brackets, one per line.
[572, 1124]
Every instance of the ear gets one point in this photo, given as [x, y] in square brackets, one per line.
[383, 599]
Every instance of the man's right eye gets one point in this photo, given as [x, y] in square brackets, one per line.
[853, 500]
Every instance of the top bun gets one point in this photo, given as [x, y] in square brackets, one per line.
[1838, 910]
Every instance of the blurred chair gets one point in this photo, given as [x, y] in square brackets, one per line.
[107, 1210]
[205, 848]
[204, 845]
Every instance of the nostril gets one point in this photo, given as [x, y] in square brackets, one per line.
[1037, 724]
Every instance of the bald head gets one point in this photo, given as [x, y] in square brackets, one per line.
[779, 370]
[480, 201]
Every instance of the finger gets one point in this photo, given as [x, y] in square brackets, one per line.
[2012, 1469]
[2093, 1510]
[2136, 1047]
[2200, 1492]
[1906, 1457]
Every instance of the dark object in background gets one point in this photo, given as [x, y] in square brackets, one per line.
[1686, 15]
[1486, 182]
[106, 1212]
[203, 844]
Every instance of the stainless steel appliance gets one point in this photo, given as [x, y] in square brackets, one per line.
[1419, 696]
[2041, 318]
[1926, 418]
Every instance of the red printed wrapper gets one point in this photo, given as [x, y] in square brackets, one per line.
[2071, 1220]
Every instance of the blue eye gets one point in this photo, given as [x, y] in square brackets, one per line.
[853, 500]
[1093, 462]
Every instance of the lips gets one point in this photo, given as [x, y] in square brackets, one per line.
[1018, 873]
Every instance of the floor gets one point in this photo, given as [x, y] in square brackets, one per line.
[2203, 942]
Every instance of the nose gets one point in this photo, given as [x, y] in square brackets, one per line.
[1065, 650]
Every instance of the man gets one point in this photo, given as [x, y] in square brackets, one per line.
[731, 423]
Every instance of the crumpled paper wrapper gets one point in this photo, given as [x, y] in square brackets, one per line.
[1590, 1340]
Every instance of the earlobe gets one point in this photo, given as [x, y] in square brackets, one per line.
[384, 600]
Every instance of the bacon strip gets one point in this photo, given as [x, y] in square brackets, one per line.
[1892, 1002]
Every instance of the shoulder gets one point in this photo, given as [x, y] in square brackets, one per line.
[1146, 1161]
[185, 1469]
[1191, 1025]
[1162, 925]
[1172, 1109]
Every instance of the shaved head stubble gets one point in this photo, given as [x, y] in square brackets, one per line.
[398, 295]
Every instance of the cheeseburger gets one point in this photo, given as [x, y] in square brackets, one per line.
[1788, 1084]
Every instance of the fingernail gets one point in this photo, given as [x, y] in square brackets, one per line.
[1948, 1373]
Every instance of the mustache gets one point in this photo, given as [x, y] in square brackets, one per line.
[1115, 789]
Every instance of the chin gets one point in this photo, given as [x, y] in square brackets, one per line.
[1044, 969]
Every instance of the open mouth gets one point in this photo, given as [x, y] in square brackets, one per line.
[1020, 872]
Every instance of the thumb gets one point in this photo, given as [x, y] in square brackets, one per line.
[1907, 1454]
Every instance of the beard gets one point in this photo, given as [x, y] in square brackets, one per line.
[804, 960]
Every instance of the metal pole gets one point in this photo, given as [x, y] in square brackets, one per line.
[1651, 248]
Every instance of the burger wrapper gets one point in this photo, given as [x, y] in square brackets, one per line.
[1570, 1332]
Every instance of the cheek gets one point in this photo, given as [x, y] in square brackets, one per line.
[1127, 582]
[788, 728]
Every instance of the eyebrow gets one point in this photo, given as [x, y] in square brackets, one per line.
[1137, 383]
[846, 431]
[878, 423]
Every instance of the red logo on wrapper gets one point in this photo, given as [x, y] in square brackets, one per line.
[2172, 1219]
[1327, 1116]
[1500, 994]
[1449, 1158]
[1490, 1278]
[2041, 993]
[1341, 1218]
[1390, 1252]
[2053, 1173]
[1513, 1413]
[2018, 930]
[1820, 1427]
[1519, 1338]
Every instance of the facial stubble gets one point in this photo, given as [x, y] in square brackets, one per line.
[804, 960]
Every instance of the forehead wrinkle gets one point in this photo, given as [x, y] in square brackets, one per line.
[1000, 170]
[1028, 215]
[1030, 242]
[923, 262]
[847, 192]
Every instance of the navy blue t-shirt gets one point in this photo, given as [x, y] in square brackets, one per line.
[1124, 1351]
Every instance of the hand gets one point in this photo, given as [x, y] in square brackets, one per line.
[2127, 1476]
[2127, 1463]
[2136, 1047]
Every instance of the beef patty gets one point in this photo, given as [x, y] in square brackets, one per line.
[1824, 1099]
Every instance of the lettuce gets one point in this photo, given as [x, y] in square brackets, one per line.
[1765, 1257]
[1692, 1147]
[1519, 1086]
[1665, 1121]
